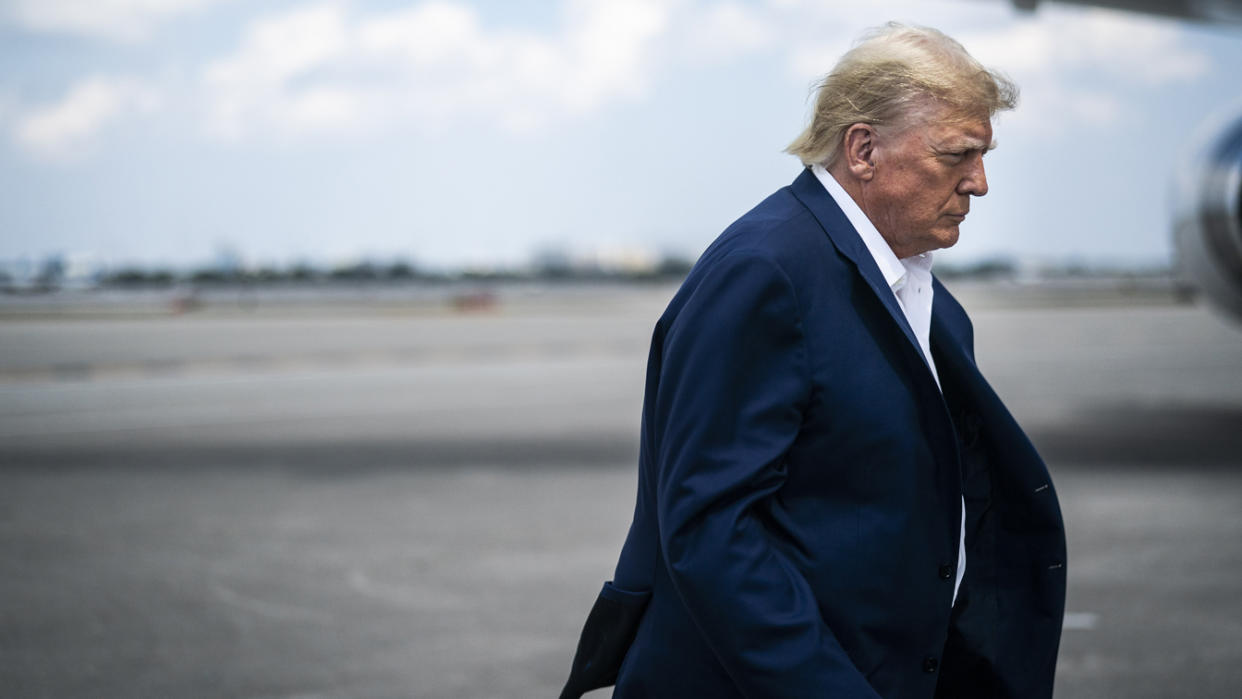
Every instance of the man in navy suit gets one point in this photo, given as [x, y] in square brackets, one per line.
[832, 502]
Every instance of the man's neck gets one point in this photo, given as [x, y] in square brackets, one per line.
[854, 190]
[854, 187]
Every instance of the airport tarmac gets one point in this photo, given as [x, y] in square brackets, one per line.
[405, 501]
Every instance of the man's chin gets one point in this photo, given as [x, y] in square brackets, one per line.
[947, 238]
[936, 243]
[935, 239]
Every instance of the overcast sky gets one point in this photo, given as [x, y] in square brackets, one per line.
[465, 132]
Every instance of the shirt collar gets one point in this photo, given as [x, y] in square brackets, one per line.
[894, 270]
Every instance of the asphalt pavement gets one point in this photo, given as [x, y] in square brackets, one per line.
[424, 503]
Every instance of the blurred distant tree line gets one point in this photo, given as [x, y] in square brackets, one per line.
[51, 277]
[555, 266]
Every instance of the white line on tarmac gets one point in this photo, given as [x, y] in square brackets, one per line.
[405, 597]
[265, 608]
[1080, 621]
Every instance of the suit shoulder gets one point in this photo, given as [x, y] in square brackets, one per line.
[780, 239]
[779, 230]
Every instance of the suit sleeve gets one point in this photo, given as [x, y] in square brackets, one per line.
[733, 387]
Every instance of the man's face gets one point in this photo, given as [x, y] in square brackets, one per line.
[923, 179]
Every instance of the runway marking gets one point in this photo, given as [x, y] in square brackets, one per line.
[402, 597]
[271, 610]
[361, 583]
[1080, 621]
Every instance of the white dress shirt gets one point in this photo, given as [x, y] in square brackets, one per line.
[911, 282]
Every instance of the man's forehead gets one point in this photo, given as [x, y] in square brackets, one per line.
[968, 135]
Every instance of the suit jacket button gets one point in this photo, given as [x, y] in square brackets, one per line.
[946, 571]
[930, 664]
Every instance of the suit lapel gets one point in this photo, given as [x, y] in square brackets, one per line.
[811, 193]
[940, 432]
[953, 353]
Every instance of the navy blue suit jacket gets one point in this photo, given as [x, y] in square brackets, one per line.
[800, 484]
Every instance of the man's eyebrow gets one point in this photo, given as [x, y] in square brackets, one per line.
[967, 144]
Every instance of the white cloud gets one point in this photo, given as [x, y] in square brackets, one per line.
[327, 68]
[1060, 41]
[118, 20]
[1120, 46]
[254, 82]
[427, 34]
[1050, 109]
[727, 30]
[812, 34]
[813, 61]
[62, 129]
[1079, 67]
[334, 68]
[606, 47]
[275, 49]
[1074, 66]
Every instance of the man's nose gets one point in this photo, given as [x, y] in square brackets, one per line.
[976, 180]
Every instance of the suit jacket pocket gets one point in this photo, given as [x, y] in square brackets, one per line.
[605, 639]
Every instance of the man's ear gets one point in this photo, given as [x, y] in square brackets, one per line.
[859, 151]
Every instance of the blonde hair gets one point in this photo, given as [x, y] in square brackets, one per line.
[890, 77]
